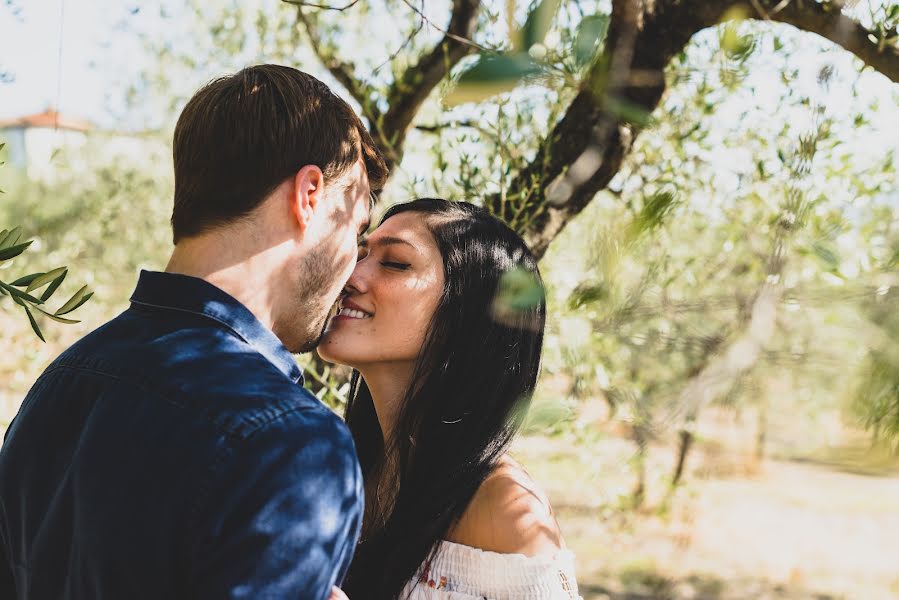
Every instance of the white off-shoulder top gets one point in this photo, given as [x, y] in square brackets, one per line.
[460, 572]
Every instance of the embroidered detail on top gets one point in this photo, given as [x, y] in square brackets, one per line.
[442, 584]
[566, 585]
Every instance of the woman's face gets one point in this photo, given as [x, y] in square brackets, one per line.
[390, 298]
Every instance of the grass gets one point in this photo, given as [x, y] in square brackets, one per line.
[781, 530]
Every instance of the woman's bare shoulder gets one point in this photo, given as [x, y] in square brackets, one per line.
[509, 514]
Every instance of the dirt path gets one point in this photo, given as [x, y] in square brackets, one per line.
[792, 531]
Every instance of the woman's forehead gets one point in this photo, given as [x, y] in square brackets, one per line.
[410, 227]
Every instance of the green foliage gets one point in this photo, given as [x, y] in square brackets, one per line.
[537, 25]
[589, 37]
[11, 247]
[528, 60]
[491, 75]
[875, 396]
[519, 290]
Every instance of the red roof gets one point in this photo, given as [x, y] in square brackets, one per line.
[49, 118]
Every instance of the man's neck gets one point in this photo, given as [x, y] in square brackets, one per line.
[247, 276]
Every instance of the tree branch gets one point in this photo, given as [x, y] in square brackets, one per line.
[412, 88]
[301, 3]
[586, 148]
[827, 20]
[341, 71]
[466, 124]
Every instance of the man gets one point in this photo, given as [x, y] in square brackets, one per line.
[173, 453]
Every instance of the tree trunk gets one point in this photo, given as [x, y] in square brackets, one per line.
[761, 433]
[638, 495]
[685, 442]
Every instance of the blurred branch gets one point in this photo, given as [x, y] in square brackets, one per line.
[409, 92]
[323, 6]
[827, 20]
[448, 32]
[469, 124]
[406, 42]
[343, 72]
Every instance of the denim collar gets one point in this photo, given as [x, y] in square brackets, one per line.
[177, 292]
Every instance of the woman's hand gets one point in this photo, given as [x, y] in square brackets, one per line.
[337, 594]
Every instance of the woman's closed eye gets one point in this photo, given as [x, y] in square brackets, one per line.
[399, 266]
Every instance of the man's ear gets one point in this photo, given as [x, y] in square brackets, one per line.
[308, 190]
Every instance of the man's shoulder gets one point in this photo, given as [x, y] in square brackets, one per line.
[206, 371]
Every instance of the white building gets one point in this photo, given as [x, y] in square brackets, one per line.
[33, 140]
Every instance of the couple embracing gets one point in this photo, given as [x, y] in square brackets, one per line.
[173, 452]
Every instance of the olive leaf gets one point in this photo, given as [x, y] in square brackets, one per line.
[57, 318]
[79, 298]
[10, 237]
[26, 280]
[46, 278]
[34, 325]
[13, 251]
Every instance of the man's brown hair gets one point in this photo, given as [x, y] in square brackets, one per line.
[242, 135]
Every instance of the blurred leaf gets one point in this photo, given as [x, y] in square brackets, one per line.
[491, 75]
[735, 46]
[827, 254]
[538, 23]
[14, 251]
[588, 293]
[519, 291]
[656, 208]
[79, 298]
[736, 13]
[45, 279]
[628, 112]
[893, 261]
[590, 34]
[10, 237]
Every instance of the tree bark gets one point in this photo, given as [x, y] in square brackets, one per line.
[685, 442]
[586, 148]
[409, 92]
[638, 495]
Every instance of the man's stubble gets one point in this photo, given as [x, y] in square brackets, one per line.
[314, 300]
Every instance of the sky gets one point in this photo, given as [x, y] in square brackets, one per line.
[30, 40]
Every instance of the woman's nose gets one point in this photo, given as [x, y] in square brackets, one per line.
[358, 281]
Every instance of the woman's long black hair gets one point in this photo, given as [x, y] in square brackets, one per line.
[470, 388]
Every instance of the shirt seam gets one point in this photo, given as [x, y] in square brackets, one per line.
[253, 429]
[193, 312]
[216, 319]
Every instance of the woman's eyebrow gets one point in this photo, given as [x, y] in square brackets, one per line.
[388, 241]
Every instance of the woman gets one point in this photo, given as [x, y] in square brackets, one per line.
[443, 322]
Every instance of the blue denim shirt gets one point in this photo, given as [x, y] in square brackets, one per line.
[173, 453]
